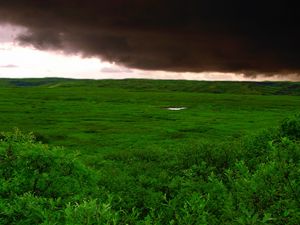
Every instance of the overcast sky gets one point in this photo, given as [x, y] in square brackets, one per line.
[19, 61]
[201, 40]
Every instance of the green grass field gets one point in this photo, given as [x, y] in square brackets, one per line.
[107, 116]
[150, 157]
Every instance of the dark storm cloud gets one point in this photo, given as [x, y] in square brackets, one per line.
[227, 36]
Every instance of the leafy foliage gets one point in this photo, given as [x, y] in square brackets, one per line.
[40, 184]
[255, 180]
[291, 127]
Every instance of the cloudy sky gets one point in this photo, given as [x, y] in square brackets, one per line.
[196, 39]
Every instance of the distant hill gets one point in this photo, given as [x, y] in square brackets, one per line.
[230, 87]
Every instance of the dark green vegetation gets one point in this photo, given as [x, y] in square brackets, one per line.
[228, 158]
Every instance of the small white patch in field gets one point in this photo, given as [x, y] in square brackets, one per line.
[176, 108]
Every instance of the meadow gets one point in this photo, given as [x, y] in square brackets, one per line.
[231, 157]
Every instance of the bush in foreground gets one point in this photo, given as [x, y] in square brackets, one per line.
[44, 185]
[252, 181]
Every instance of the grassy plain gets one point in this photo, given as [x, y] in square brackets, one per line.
[161, 166]
[95, 117]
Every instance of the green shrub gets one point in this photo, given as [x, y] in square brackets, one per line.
[291, 127]
[40, 184]
[27, 166]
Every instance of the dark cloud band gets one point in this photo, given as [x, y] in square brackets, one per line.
[229, 36]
